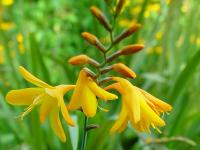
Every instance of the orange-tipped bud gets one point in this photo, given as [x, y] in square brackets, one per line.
[101, 17]
[83, 59]
[130, 49]
[79, 60]
[132, 29]
[93, 40]
[119, 6]
[90, 38]
[124, 70]
[89, 73]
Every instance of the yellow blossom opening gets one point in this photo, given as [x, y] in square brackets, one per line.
[139, 107]
[85, 93]
[50, 98]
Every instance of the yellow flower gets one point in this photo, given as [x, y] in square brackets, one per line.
[85, 94]
[6, 25]
[50, 98]
[142, 109]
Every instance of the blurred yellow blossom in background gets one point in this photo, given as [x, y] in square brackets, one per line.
[20, 40]
[1, 54]
[6, 26]
[7, 2]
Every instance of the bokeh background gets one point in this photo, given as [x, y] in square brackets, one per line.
[42, 35]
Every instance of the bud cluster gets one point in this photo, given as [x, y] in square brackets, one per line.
[103, 67]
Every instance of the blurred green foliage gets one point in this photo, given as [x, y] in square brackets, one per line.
[42, 35]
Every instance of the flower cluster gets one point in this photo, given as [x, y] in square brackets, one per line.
[139, 107]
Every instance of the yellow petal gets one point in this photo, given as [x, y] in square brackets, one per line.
[23, 96]
[59, 90]
[75, 99]
[131, 98]
[74, 102]
[31, 78]
[56, 125]
[121, 122]
[47, 106]
[65, 112]
[88, 102]
[101, 93]
[150, 115]
[115, 86]
[161, 105]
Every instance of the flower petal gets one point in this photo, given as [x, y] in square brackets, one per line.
[65, 112]
[159, 104]
[31, 78]
[23, 96]
[47, 106]
[115, 86]
[101, 93]
[88, 102]
[121, 122]
[75, 99]
[56, 125]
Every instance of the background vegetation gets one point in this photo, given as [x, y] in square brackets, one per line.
[42, 35]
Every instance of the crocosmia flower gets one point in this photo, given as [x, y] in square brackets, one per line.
[139, 107]
[85, 93]
[50, 98]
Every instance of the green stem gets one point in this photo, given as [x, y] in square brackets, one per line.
[84, 137]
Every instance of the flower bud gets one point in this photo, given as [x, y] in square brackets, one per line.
[119, 7]
[127, 32]
[79, 60]
[90, 38]
[93, 40]
[83, 59]
[130, 49]
[124, 70]
[101, 17]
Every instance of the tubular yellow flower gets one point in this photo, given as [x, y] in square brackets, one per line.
[50, 98]
[85, 93]
[141, 108]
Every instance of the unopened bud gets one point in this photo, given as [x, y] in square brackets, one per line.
[119, 7]
[127, 32]
[79, 60]
[93, 40]
[101, 17]
[90, 38]
[130, 49]
[124, 70]
[83, 59]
